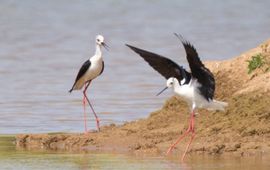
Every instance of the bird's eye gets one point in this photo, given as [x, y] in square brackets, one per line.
[98, 40]
[171, 83]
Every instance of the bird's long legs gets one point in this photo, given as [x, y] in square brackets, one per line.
[85, 97]
[190, 129]
[84, 111]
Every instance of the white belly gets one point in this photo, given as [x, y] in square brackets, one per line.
[92, 73]
[192, 96]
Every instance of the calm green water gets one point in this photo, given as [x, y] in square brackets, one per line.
[11, 158]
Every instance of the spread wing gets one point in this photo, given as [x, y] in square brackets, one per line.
[82, 71]
[198, 70]
[166, 67]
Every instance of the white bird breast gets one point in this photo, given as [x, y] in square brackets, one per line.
[95, 68]
[190, 93]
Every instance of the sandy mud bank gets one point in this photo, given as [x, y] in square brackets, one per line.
[244, 128]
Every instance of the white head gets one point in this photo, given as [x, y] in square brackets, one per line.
[100, 41]
[171, 82]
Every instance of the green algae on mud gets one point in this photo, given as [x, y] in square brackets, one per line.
[7, 146]
[24, 159]
[12, 158]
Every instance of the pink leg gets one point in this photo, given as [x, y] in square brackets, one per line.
[84, 109]
[85, 119]
[178, 140]
[97, 119]
[190, 129]
[192, 137]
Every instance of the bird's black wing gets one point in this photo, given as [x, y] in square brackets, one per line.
[198, 70]
[82, 71]
[102, 69]
[166, 67]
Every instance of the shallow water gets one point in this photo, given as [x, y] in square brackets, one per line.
[43, 44]
[10, 158]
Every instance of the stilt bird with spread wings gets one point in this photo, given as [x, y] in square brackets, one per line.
[196, 87]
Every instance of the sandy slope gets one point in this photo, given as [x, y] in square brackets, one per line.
[243, 129]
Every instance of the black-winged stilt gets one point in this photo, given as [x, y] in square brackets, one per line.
[91, 68]
[196, 88]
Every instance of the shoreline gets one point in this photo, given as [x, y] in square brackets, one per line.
[242, 130]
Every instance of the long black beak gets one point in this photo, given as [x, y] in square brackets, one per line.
[162, 91]
[105, 46]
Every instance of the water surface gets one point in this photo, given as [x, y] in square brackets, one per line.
[44, 43]
[10, 158]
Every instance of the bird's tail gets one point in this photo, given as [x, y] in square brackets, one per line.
[217, 105]
[72, 88]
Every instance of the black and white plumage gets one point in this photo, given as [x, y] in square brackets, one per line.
[91, 69]
[196, 87]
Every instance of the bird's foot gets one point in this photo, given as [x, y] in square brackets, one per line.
[90, 131]
[98, 127]
[170, 150]
[87, 132]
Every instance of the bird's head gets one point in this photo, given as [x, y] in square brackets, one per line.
[100, 41]
[169, 84]
[171, 81]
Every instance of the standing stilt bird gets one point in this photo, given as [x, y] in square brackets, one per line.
[88, 72]
[196, 88]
